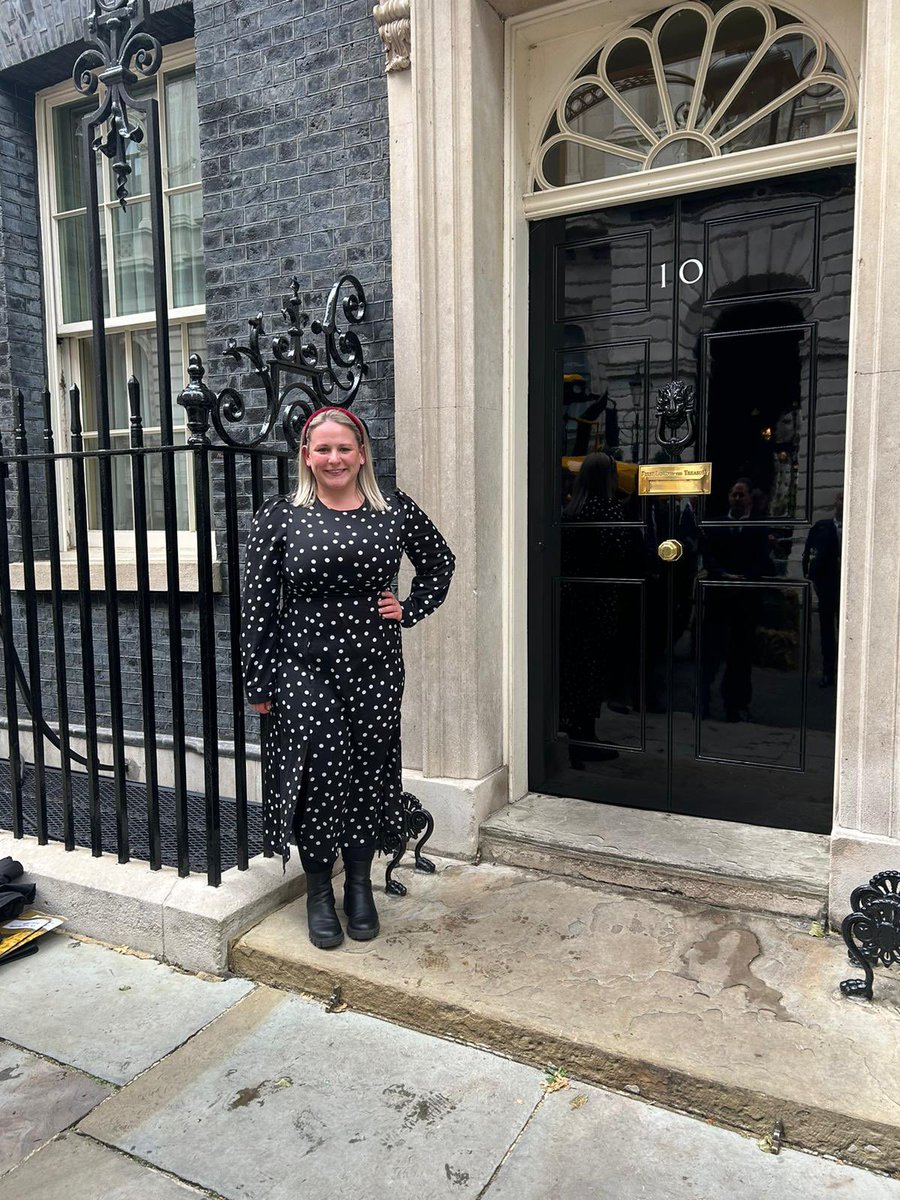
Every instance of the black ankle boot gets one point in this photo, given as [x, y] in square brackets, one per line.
[324, 927]
[359, 903]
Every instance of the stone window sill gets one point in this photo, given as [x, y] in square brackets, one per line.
[126, 575]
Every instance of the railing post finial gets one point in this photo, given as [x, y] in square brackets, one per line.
[198, 399]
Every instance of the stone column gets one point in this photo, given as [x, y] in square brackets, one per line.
[446, 118]
[866, 836]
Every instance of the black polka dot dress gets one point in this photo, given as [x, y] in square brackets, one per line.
[314, 644]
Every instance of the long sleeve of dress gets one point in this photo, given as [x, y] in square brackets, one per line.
[432, 559]
[262, 600]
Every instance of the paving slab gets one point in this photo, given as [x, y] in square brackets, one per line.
[75, 1168]
[113, 1032]
[721, 862]
[733, 1017]
[38, 1099]
[279, 1098]
[585, 1142]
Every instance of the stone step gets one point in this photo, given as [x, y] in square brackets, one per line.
[748, 867]
[734, 1017]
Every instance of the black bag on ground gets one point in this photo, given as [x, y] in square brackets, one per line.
[13, 896]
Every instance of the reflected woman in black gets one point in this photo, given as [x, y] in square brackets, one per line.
[737, 553]
[592, 615]
[822, 565]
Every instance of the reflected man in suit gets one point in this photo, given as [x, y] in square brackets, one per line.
[822, 567]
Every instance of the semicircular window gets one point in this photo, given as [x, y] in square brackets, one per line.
[691, 82]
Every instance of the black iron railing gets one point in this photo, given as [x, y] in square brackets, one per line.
[67, 643]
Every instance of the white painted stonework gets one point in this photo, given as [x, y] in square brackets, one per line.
[446, 127]
[460, 288]
[866, 836]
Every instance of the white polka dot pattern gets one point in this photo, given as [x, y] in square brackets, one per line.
[314, 644]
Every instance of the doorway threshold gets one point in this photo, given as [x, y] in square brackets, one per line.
[723, 863]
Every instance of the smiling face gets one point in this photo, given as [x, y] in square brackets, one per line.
[334, 456]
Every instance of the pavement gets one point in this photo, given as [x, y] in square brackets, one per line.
[124, 1079]
[734, 1017]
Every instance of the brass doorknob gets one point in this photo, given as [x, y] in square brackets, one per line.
[670, 550]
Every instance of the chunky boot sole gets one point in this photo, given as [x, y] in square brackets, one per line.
[363, 935]
[326, 943]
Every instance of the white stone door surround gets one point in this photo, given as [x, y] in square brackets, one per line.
[463, 122]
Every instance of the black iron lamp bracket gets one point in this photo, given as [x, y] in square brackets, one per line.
[872, 930]
[297, 377]
[120, 52]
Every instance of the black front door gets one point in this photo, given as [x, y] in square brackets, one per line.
[683, 649]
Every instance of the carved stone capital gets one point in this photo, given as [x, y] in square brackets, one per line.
[392, 21]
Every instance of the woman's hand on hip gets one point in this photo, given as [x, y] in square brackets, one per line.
[389, 607]
[265, 707]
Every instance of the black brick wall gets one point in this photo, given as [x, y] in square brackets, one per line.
[21, 316]
[294, 148]
[293, 135]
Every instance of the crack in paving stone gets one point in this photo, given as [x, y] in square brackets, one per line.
[511, 1147]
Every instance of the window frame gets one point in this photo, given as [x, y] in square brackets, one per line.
[61, 337]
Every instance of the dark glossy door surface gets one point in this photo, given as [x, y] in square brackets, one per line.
[704, 684]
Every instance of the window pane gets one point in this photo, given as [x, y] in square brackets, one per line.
[185, 222]
[143, 344]
[197, 345]
[197, 339]
[182, 129]
[155, 507]
[117, 377]
[123, 517]
[67, 150]
[133, 258]
[144, 359]
[73, 269]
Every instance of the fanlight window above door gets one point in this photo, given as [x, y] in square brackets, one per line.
[691, 82]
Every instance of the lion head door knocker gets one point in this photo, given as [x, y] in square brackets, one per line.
[674, 413]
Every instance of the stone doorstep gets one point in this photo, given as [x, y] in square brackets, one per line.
[184, 922]
[751, 868]
[734, 1018]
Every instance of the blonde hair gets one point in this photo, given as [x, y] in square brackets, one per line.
[305, 495]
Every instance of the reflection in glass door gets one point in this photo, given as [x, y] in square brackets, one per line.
[701, 682]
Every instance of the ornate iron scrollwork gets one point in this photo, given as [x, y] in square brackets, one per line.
[118, 42]
[298, 378]
[416, 820]
[872, 930]
[674, 411]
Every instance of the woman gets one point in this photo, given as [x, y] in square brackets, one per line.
[321, 650]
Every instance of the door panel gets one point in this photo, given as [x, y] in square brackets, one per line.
[690, 685]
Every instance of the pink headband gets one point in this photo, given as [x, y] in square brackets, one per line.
[333, 408]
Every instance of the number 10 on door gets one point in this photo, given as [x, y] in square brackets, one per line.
[690, 271]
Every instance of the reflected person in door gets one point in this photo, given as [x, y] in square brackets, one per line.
[822, 566]
[594, 622]
[738, 552]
